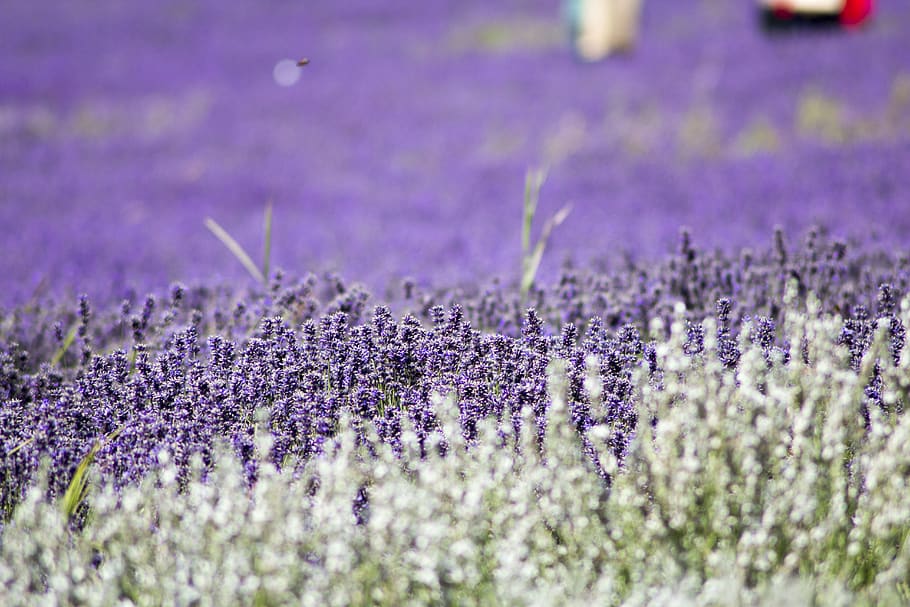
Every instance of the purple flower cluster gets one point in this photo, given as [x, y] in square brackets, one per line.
[840, 274]
[204, 365]
[379, 372]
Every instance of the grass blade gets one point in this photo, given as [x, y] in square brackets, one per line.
[533, 182]
[20, 446]
[532, 262]
[267, 249]
[67, 342]
[78, 487]
[235, 248]
[77, 490]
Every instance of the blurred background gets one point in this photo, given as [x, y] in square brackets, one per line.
[401, 149]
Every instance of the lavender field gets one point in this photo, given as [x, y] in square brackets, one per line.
[515, 329]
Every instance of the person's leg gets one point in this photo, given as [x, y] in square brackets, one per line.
[593, 41]
[600, 27]
[626, 18]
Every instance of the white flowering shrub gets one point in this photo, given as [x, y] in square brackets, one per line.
[761, 484]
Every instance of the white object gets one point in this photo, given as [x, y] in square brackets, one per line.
[807, 7]
[602, 27]
[286, 72]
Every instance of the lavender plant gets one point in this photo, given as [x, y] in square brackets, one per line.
[704, 416]
[193, 368]
[738, 487]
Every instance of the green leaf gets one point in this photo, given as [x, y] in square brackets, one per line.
[78, 487]
[77, 490]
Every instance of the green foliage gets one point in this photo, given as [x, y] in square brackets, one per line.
[821, 116]
[77, 490]
[758, 137]
[505, 36]
[700, 133]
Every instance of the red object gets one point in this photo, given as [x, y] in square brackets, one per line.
[782, 12]
[855, 12]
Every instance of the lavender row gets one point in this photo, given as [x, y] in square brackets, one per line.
[188, 376]
[759, 485]
[380, 372]
[619, 291]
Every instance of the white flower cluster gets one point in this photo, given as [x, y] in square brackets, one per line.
[759, 485]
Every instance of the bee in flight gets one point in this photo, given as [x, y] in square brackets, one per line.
[303, 62]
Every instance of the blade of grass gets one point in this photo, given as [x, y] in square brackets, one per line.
[533, 182]
[234, 247]
[532, 262]
[115, 433]
[78, 487]
[267, 249]
[20, 446]
[67, 342]
[77, 490]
